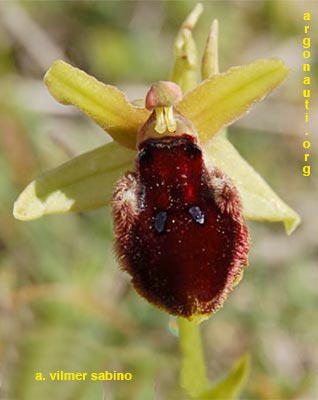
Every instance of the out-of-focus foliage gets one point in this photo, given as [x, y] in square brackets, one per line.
[63, 302]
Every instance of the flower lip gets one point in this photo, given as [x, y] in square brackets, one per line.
[179, 228]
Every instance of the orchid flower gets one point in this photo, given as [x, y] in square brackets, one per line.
[87, 182]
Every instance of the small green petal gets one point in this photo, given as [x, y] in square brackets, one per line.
[231, 386]
[105, 104]
[84, 183]
[259, 201]
[210, 59]
[224, 98]
[185, 69]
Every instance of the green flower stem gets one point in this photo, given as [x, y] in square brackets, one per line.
[193, 377]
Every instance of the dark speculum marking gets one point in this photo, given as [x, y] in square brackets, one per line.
[160, 221]
[144, 156]
[197, 214]
[193, 150]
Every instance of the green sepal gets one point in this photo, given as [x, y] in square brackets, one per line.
[105, 104]
[224, 98]
[84, 183]
[260, 202]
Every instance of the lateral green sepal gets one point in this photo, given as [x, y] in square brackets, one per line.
[260, 202]
[84, 183]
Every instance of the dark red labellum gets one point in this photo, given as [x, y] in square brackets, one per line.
[179, 228]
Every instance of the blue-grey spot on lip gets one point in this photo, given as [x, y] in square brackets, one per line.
[160, 221]
[197, 214]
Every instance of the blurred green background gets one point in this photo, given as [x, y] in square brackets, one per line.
[64, 303]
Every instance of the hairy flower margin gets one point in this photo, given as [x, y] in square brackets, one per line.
[86, 182]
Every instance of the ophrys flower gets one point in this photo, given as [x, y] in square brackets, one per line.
[87, 181]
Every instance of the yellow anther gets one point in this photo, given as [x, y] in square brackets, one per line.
[165, 120]
[160, 126]
[170, 119]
